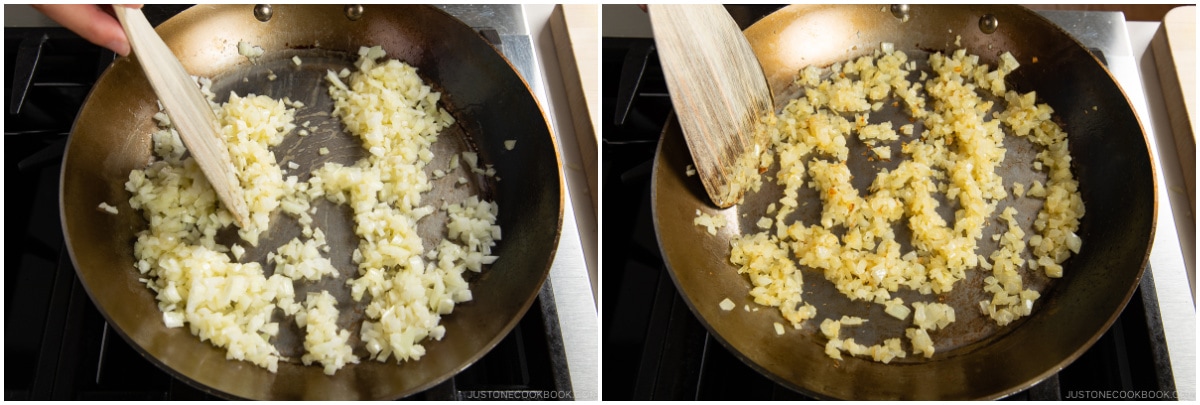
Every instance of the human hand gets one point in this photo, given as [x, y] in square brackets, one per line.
[94, 23]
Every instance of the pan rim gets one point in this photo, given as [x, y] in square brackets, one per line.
[1078, 351]
[551, 250]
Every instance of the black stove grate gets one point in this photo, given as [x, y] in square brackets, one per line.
[655, 348]
[58, 345]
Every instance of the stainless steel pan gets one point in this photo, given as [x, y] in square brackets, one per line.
[975, 359]
[491, 103]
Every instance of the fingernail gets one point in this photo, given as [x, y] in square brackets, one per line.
[120, 47]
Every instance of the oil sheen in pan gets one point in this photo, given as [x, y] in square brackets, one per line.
[971, 326]
[307, 84]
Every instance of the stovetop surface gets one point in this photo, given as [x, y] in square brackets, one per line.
[58, 345]
[655, 348]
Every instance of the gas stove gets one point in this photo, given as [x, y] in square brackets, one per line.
[58, 345]
[655, 348]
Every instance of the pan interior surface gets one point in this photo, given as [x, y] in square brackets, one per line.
[490, 103]
[975, 358]
[279, 77]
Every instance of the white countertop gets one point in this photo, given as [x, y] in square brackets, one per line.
[574, 291]
[1175, 219]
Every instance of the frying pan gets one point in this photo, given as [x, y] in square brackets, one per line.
[975, 359]
[492, 104]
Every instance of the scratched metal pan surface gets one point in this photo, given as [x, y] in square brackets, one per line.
[491, 103]
[975, 359]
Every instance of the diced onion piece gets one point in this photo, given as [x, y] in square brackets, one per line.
[173, 319]
[107, 208]
[898, 311]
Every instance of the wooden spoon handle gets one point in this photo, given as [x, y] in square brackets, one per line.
[188, 108]
[719, 93]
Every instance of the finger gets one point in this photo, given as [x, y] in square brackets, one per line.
[91, 23]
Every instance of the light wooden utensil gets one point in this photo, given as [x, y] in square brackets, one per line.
[717, 88]
[188, 109]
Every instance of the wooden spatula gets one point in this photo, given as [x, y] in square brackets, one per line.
[188, 109]
[718, 90]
